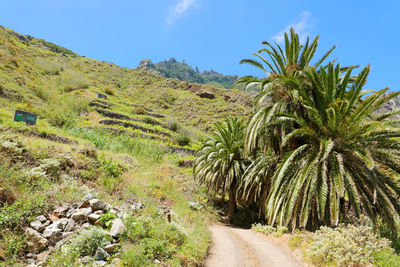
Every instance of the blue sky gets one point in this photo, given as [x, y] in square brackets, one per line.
[214, 34]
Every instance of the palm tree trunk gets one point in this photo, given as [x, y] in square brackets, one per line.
[232, 200]
[261, 211]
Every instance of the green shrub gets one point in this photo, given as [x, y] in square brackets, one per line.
[107, 218]
[265, 229]
[295, 242]
[83, 244]
[183, 140]
[23, 211]
[386, 258]
[153, 238]
[12, 244]
[346, 246]
[109, 91]
[173, 126]
[113, 169]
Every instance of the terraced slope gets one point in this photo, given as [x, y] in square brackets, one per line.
[62, 88]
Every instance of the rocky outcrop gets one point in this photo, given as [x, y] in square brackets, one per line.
[48, 233]
[205, 94]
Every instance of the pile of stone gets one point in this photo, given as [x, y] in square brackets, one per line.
[48, 233]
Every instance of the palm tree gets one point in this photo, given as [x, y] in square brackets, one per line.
[345, 159]
[220, 163]
[285, 71]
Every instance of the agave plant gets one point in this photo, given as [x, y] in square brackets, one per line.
[220, 163]
[345, 160]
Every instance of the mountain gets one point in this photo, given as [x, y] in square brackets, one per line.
[184, 72]
[392, 105]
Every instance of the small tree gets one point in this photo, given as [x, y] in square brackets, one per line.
[220, 163]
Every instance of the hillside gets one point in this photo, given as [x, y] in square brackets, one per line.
[392, 105]
[121, 163]
[184, 72]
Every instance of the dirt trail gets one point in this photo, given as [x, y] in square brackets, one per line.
[235, 247]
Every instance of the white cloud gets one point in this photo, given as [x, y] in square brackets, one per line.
[179, 10]
[300, 26]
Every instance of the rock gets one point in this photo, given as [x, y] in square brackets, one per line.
[42, 257]
[70, 226]
[117, 228]
[112, 248]
[101, 254]
[61, 212]
[78, 216]
[99, 223]
[47, 223]
[85, 226]
[101, 263]
[67, 234]
[38, 226]
[115, 262]
[86, 260]
[70, 212]
[88, 197]
[97, 204]
[53, 235]
[30, 262]
[86, 211]
[94, 217]
[75, 206]
[207, 95]
[60, 224]
[36, 242]
[31, 256]
[99, 212]
[41, 219]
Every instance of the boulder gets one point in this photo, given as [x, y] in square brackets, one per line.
[97, 204]
[115, 262]
[36, 242]
[78, 216]
[112, 248]
[60, 224]
[53, 235]
[61, 212]
[38, 226]
[205, 94]
[67, 234]
[101, 254]
[41, 219]
[86, 211]
[117, 228]
[94, 217]
[70, 226]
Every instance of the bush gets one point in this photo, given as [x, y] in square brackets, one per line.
[139, 110]
[152, 239]
[173, 126]
[109, 91]
[183, 140]
[295, 242]
[86, 243]
[347, 246]
[22, 211]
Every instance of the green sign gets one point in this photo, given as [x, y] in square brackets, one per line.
[101, 96]
[27, 117]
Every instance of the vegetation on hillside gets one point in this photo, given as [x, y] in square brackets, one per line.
[183, 72]
[123, 148]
